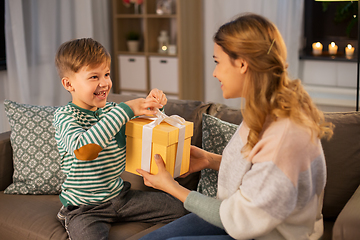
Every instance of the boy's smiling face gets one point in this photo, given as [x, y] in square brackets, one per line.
[89, 87]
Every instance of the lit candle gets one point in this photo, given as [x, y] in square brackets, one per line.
[317, 48]
[349, 51]
[333, 48]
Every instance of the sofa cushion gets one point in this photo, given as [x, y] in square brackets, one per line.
[225, 113]
[34, 217]
[30, 217]
[190, 111]
[342, 157]
[215, 136]
[35, 155]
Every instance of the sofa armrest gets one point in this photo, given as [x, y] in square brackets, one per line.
[6, 161]
[347, 223]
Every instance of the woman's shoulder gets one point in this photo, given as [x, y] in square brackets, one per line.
[284, 136]
[286, 128]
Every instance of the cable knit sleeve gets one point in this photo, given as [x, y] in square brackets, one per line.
[205, 207]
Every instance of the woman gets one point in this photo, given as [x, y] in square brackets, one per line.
[272, 172]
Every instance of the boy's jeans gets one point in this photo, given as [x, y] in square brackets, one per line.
[93, 221]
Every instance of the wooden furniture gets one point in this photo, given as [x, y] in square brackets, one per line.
[179, 75]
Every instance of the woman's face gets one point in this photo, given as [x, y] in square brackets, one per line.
[230, 75]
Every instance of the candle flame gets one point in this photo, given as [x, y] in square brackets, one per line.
[332, 44]
[318, 44]
[349, 46]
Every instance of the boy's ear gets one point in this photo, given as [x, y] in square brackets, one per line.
[67, 84]
[242, 64]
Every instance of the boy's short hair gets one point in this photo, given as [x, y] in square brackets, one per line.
[75, 54]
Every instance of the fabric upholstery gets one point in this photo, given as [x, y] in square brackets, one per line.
[33, 216]
[215, 136]
[347, 223]
[35, 154]
[342, 155]
[6, 164]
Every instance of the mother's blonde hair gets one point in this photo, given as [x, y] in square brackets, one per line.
[268, 89]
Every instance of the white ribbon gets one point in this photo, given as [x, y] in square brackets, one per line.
[173, 120]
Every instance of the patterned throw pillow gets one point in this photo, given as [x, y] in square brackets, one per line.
[215, 136]
[35, 154]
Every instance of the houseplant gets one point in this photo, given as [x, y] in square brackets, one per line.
[133, 41]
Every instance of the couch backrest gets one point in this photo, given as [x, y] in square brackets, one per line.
[342, 154]
[6, 163]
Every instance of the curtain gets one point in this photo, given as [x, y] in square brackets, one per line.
[287, 15]
[34, 30]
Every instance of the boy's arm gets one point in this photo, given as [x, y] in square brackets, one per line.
[86, 144]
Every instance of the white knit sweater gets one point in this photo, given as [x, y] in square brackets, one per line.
[274, 193]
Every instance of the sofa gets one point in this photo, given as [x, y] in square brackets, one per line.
[33, 216]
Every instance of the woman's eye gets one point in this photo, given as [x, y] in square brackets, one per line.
[216, 62]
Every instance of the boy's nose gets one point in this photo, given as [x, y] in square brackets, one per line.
[103, 83]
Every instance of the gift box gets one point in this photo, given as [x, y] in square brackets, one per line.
[164, 141]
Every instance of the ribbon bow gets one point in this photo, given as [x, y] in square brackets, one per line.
[173, 120]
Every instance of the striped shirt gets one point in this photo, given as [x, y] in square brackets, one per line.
[92, 147]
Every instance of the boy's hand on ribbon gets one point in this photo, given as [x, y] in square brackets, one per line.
[164, 181]
[158, 95]
[141, 106]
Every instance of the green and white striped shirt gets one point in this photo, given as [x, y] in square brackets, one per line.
[92, 147]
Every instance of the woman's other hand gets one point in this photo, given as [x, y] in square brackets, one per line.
[164, 181]
[201, 159]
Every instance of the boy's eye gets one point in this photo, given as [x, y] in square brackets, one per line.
[107, 75]
[93, 77]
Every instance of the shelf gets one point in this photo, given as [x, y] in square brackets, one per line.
[160, 16]
[129, 15]
[185, 30]
[325, 56]
[145, 16]
[148, 54]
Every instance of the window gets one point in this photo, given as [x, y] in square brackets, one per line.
[322, 25]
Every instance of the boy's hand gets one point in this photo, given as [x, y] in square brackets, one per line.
[141, 106]
[158, 95]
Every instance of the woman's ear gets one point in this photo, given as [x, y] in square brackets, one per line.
[242, 64]
[67, 84]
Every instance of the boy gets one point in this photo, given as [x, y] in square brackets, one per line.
[91, 142]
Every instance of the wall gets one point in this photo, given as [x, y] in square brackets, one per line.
[287, 15]
[331, 84]
[4, 125]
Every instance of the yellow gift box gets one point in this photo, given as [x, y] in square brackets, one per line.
[164, 141]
